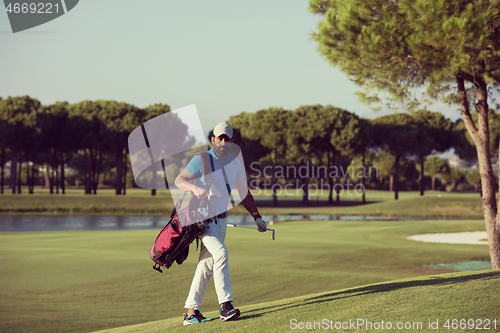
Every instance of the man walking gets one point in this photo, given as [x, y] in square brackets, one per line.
[213, 259]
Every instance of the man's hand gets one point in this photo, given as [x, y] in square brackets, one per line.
[199, 192]
[261, 225]
[183, 183]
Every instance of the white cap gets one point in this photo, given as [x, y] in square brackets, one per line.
[223, 128]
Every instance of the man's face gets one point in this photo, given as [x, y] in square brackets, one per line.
[221, 144]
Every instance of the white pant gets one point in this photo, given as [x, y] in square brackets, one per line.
[213, 260]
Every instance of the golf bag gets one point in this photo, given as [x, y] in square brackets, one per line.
[184, 226]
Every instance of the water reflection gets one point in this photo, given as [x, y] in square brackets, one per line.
[127, 222]
[80, 222]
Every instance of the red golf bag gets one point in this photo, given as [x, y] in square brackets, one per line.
[184, 226]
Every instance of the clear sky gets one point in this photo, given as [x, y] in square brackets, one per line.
[224, 56]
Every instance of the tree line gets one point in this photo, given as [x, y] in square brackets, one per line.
[56, 134]
[330, 136]
[450, 48]
[93, 134]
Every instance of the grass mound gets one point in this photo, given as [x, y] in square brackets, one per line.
[417, 304]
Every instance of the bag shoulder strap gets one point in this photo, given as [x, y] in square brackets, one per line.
[208, 166]
[207, 172]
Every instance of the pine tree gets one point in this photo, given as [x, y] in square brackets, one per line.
[397, 47]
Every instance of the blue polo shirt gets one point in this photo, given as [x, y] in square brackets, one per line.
[233, 169]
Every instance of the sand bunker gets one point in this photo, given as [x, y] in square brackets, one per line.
[472, 237]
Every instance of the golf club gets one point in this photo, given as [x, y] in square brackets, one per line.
[242, 226]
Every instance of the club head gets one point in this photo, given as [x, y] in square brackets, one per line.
[273, 232]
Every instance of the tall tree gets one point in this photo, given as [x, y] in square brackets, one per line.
[363, 170]
[89, 131]
[434, 135]
[473, 178]
[249, 143]
[4, 149]
[397, 134]
[349, 135]
[309, 138]
[455, 176]
[399, 46]
[384, 164]
[463, 146]
[4, 157]
[434, 166]
[269, 126]
[118, 119]
[59, 139]
[320, 125]
[18, 115]
[466, 148]
[363, 141]
[334, 132]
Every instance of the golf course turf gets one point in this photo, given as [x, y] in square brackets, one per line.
[455, 302]
[84, 281]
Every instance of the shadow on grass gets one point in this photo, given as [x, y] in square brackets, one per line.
[374, 289]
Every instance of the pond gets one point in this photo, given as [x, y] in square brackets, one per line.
[16, 223]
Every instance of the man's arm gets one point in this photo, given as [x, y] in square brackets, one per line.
[182, 182]
[249, 204]
[248, 201]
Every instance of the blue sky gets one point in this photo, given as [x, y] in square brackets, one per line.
[224, 56]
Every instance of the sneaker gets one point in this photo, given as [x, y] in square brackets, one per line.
[195, 318]
[228, 312]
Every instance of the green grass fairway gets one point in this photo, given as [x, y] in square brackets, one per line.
[75, 202]
[425, 207]
[463, 301]
[440, 205]
[433, 205]
[87, 281]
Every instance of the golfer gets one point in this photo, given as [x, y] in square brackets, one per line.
[213, 258]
